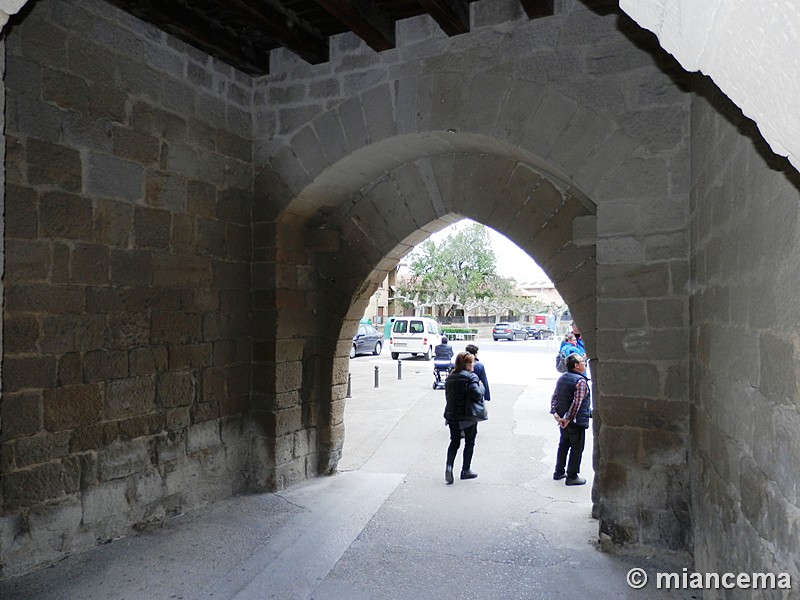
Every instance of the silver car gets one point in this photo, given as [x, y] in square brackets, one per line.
[509, 331]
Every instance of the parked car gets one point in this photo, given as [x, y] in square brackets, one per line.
[509, 331]
[414, 335]
[540, 334]
[368, 340]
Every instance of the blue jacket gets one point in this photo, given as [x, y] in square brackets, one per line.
[567, 349]
[565, 393]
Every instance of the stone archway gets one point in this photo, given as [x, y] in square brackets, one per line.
[362, 198]
[499, 191]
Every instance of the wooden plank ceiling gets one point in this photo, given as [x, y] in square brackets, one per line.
[243, 32]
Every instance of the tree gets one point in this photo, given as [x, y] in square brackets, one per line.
[460, 272]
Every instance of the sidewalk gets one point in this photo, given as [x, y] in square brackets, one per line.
[386, 526]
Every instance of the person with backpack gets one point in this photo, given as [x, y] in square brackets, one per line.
[569, 345]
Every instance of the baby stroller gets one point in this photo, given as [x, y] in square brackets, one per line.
[441, 368]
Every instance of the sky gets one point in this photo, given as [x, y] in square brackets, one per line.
[511, 260]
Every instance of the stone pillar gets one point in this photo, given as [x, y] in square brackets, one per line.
[7, 8]
[2, 198]
[285, 360]
[641, 489]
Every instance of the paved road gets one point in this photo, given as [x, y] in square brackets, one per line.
[386, 526]
[371, 414]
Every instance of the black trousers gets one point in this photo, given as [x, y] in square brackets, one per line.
[455, 441]
[573, 438]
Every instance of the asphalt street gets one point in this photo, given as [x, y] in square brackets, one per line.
[386, 525]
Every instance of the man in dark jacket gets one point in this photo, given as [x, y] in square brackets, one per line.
[571, 406]
[443, 352]
[480, 371]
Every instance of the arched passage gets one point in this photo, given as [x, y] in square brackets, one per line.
[570, 97]
[382, 226]
[345, 205]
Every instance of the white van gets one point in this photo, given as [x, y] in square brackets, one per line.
[414, 335]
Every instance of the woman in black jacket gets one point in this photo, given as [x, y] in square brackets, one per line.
[462, 389]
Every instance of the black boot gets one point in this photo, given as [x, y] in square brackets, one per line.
[468, 474]
[448, 474]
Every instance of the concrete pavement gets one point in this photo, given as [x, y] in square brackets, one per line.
[386, 526]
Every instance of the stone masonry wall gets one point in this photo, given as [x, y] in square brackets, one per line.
[126, 374]
[745, 348]
[2, 205]
[585, 98]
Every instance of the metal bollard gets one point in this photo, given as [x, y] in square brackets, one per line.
[399, 369]
[349, 385]
[377, 376]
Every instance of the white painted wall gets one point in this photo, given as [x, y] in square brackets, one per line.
[8, 8]
[750, 49]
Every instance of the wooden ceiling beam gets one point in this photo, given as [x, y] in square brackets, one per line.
[195, 30]
[284, 27]
[365, 19]
[536, 9]
[451, 15]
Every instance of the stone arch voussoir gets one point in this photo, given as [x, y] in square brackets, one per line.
[355, 241]
[380, 129]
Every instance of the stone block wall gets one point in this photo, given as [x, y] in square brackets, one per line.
[126, 374]
[2, 202]
[162, 210]
[379, 147]
[745, 347]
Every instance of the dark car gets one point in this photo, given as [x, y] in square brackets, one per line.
[540, 334]
[509, 331]
[368, 340]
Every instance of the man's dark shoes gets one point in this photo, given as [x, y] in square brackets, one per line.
[557, 476]
[468, 474]
[575, 481]
[448, 474]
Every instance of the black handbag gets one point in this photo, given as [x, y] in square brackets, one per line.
[479, 411]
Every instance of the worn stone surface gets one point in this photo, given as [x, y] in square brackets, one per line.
[745, 415]
[144, 217]
[115, 219]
